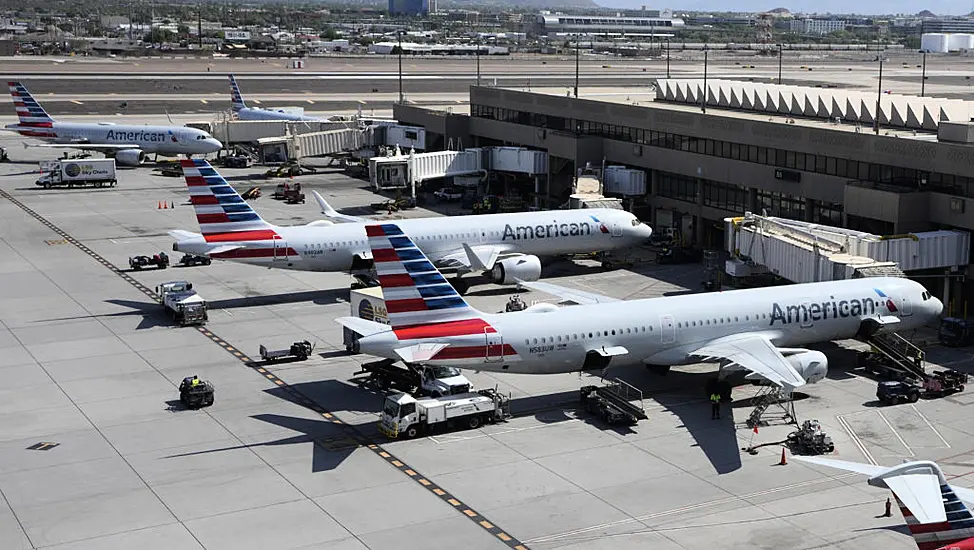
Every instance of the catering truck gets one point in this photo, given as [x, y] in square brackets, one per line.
[97, 172]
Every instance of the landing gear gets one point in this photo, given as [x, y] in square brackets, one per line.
[460, 286]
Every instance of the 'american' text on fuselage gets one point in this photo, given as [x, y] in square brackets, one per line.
[818, 311]
[521, 232]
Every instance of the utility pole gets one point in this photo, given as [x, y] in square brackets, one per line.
[923, 80]
[399, 37]
[703, 106]
[780, 54]
[667, 57]
[478, 63]
[879, 93]
[576, 65]
[199, 25]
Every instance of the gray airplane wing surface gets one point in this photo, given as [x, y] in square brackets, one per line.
[579, 297]
[476, 257]
[87, 146]
[753, 352]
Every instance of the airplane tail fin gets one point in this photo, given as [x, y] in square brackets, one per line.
[934, 511]
[220, 210]
[415, 292]
[29, 111]
[236, 99]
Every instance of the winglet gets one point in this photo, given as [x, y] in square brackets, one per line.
[419, 352]
[330, 212]
[478, 263]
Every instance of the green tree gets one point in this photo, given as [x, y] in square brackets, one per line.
[182, 30]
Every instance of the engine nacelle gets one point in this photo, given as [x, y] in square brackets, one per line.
[130, 157]
[811, 365]
[508, 271]
[542, 307]
[321, 223]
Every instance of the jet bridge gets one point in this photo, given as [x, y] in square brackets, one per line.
[803, 252]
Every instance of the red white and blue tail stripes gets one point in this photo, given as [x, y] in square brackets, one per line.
[236, 100]
[930, 536]
[32, 116]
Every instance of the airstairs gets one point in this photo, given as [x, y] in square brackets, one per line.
[899, 352]
[772, 397]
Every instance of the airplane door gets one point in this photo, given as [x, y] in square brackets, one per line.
[667, 329]
[906, 307]
[806, 313]
[616, 229]
[280, 249]
[494, 350]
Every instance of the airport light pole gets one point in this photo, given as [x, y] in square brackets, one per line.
[667, 57]
[780, 55]
[577, 47]
[879, 94]
[478, 63]
[703, 106]
[399, 37]
[923, 79]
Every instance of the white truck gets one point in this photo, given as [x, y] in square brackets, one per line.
[97, 172]
[184, 305]
[403, 414]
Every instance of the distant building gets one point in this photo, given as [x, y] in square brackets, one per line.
[114, 21]
[409, 7]
[546, 24]
[948, 25]
[236, 35]
[818, 26]
[432, 6]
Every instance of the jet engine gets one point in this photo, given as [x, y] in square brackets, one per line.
[811, 365]
[130, 157]
[321, 223]
[508, 271]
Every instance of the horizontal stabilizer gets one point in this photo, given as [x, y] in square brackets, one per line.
[224, 248]
[363, 327]
[181, 235]
[420, 352]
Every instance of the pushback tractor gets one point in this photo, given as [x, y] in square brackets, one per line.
[405, 416]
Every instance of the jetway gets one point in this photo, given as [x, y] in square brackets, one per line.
[803, 252]
[316, 144]
[406, 170]
[231, 132]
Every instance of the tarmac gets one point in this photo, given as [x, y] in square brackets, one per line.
[96, 453]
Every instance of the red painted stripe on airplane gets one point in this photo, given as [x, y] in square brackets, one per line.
[243, 253]
[946, 544]
[195, 181]
[32, 124]
[213, 218]
[384, 255]
[473, 352]
[919, 528]
[406, 306]
[36, 134]
[229, 237]
[394, 281]
[439, 330]
[187, 163]
[374, 231]
[203, 199]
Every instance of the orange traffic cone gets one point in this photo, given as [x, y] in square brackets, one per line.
[784, 459]
[159, 205]
[165, 205]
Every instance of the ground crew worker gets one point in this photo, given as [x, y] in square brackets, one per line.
[714, 406]
[195, 382]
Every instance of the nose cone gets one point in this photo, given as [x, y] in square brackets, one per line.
[213, 145]
[936, 306]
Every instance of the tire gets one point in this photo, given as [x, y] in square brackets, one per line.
[914, 397]
[411, 432]
[473, 422]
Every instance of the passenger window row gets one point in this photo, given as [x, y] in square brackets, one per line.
[582, 336]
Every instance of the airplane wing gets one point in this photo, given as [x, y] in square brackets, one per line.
[580, 297]
[330, 212]
[85, 146]
[475, 258]
[755, 353]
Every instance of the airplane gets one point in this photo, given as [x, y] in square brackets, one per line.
[127, 143]
[752, 330]
[935, 511]
[256, 113]
[502, 246]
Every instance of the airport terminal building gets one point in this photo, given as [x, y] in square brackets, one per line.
[703, 167]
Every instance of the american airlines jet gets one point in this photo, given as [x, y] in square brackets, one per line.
[756, 330]
[243, 112]
[128, 144]
[503, 246]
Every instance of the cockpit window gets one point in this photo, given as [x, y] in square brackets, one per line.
[926, 296]
[636, 222]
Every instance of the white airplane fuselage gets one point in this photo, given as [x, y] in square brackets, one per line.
[334, 247]
[166, 140]
[254, 113]
[663, 331]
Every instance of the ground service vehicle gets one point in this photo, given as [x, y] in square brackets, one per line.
[891, 392]
[448, 194]
[159, 261]
[299, 350]
[97, 172]
[810, 439]
[944, 382]
[184, 305]
[405, 415]
[191, 259]
[955, 332]
[197, 395]
[414, 379]
[613, 403]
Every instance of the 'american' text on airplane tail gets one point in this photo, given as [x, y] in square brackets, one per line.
[29, 111]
